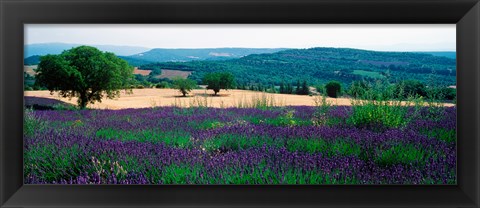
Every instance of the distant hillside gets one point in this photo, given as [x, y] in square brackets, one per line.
[183, 55]
[448, 54]
[143, 56]
[57, 48]
[31, 60]
[134, 61]
[320, 65]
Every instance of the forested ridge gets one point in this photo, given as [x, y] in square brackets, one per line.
[320, 65]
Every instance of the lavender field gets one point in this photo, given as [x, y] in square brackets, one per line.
[275, 145]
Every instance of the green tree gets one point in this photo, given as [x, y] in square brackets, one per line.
[272, 88]
[304, 90]
[289, 89]
[219, 80]
[406, 88]
[84, 72]
[298, 90]
[282, 88]
[333, 89]
[358, 89]
[183, 85]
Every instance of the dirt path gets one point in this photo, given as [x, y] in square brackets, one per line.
[144, 98]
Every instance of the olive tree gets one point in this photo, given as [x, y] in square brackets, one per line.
[84, 72]
[219, 80]
[184, 85]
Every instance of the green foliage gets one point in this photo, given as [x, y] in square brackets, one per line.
[409, 88]
[338, 147]
[234, 142]
[376, 109]
[377, 115]
[183, 85]
[446, 135]
[162, 85]
[358, 89]
[174, 138]
[401, 154]
[207, 124]
[333, 89]
[58, 163]
[31, 124]
[322, 108]
[84, 72]
[63, 106]
[285, 119]
[304, 89]
[219, 80]
[180, 174]
[28, 81]
[307, 145]
[441, 93]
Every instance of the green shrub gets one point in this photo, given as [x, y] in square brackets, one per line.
[377, 110]
[409, 88]
[441, 93]
[358, 89]
[333, 89]
[379, 114]
[162, 85]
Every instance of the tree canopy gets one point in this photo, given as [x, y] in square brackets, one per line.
[183, 85]
[84, 72]
[219, 80]
[333, 89]
[408, 88]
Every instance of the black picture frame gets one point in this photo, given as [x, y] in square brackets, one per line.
[15, 13]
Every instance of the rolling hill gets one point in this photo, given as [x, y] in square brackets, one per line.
[320, 65]
[184, 55]
[143, 56]
[448, 54]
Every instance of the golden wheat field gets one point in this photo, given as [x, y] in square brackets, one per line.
[144, 98]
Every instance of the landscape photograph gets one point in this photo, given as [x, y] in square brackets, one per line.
[240, 104]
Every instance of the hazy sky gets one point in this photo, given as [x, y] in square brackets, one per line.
[438, 37]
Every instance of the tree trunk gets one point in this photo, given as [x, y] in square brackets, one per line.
[82, 100]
